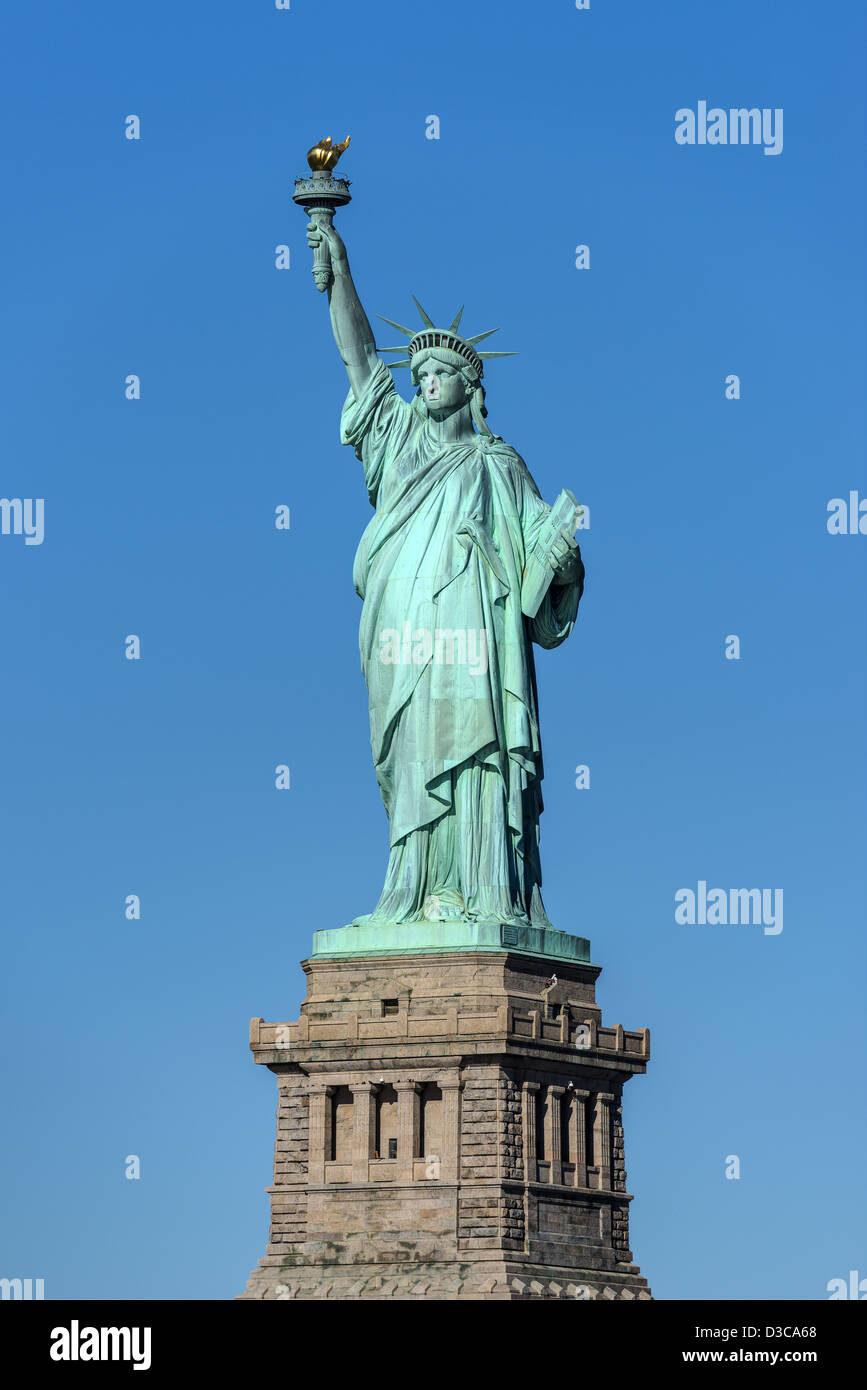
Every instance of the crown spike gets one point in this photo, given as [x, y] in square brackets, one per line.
[407, 332]
[479, 336]
[404, 363]
[485, 355]
[425, 318]
[456, 321]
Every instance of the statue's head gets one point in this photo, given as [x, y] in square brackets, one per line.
[445, 381]
[446, 368]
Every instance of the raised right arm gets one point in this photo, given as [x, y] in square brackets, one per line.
[350, 325]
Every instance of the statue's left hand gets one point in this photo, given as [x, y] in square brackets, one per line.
[565, 558]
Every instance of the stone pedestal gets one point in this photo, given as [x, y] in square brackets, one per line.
[449, 1126]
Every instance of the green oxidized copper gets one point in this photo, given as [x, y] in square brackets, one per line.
[462, 569]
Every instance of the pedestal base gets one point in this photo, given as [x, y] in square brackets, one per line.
[450, 938]
[449, 1127]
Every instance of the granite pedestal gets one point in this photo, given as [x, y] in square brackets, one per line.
[449, 1123]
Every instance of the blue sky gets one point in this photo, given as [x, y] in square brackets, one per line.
[708, 518]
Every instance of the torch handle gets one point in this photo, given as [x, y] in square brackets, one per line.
[322, 272]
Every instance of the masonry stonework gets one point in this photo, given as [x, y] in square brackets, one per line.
[449, 1126]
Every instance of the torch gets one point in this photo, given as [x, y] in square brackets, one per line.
[320, 194]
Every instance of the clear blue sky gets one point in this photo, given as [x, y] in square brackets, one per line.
[708, 518]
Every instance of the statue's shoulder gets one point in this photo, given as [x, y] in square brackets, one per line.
[503, 456]
[494, 447]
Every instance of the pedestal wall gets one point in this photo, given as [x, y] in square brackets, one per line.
[449, 1126]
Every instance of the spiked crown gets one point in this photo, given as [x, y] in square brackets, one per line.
[431, 337]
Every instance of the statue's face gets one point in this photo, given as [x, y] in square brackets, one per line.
[443, 388]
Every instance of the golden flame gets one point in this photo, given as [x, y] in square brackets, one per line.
[324, 155]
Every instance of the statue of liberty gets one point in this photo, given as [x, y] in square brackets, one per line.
[461, 569]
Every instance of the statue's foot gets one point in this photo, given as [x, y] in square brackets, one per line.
[446, 905]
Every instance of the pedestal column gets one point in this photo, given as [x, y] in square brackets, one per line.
[602, 1135]
[451, 1127]
[320, 1131]
[578, 1134]
[363, 1128]
[553, 1137]
[529, 1091]
[408, 1127]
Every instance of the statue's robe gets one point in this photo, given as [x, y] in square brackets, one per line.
[456, 747]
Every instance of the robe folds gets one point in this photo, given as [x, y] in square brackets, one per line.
[447, 657]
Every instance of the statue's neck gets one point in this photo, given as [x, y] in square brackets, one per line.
[450, 429]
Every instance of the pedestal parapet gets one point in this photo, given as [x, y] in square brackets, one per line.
[449, 1126]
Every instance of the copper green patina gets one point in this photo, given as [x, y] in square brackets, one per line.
[462, 569]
